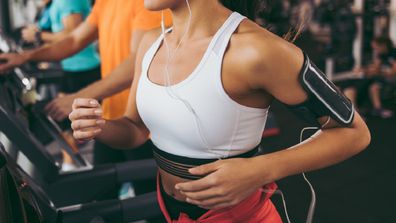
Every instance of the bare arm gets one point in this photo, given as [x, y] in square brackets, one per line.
[129, 131]
[272, 66]
[72, 43]
[326, 148]
[119, 80]
[70, 23]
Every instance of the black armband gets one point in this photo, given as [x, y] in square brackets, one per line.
[324, 98]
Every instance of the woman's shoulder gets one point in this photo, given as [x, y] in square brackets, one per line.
[260, 43]
[150, 37]
[147, 41]
[262, 51]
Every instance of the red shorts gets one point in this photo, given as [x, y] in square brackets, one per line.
[257, 208]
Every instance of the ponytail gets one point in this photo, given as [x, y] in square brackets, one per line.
[254, 9]
[248, 8]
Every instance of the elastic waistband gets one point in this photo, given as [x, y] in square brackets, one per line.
[179, 165]
[175, 207]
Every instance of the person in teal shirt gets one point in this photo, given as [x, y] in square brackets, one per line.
[64, 16]
[43, 17]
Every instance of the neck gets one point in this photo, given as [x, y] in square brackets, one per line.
[206, 17]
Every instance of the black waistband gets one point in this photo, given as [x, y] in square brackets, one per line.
[179, 165]
[175, 207]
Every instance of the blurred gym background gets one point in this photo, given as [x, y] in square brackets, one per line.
[341, 36]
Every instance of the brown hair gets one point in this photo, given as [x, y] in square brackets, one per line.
[253, 8]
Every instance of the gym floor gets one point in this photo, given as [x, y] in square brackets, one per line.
[361, 189]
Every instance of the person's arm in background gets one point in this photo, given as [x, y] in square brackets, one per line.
[70, 22]
[126, 132]
[119, 80]
[78, 39]
[122, 77]
[75, 41]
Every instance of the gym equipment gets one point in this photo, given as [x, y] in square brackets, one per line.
[25, 199]
[46, 193]
[15, 125]
[49, 190]
[338, 16]
[21, 87]
[373, 12]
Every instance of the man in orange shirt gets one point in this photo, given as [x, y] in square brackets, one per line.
[118, 25]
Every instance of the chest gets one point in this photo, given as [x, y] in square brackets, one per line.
[178, 64]
[192, 61]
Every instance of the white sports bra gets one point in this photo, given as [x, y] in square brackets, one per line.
[220, 127]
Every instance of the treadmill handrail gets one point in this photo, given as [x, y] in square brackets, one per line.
[136, 170]
[39, 156]
[129, 210]
[126, 171]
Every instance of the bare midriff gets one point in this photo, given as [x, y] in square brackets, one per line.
[169, 181]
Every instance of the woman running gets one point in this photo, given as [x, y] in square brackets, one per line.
[201, 92]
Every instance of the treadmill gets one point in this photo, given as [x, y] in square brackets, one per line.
[37, 178]
[25, 197]
[52, 192]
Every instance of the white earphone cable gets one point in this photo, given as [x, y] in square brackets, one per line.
[312, 205]
[168, 79]
[172, 93]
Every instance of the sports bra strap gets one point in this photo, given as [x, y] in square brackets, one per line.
[224, 38]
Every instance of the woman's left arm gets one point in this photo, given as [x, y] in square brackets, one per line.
[279, 69]
[275, 68]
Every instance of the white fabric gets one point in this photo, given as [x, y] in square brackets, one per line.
[221, 126]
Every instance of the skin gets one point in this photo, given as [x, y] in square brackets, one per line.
[28, 33]
[254, 81]
[119, 80]
[70, 22]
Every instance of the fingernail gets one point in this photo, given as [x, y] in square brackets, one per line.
[188, 200]
[100, 122]
[97, 130]
[93, 102]
[177, 187]
[98, 112]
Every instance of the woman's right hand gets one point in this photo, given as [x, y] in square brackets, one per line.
[86, 118]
